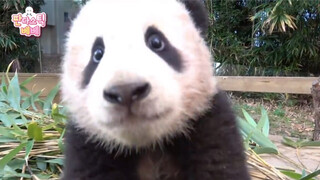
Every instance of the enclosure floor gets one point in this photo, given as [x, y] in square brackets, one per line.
[295, 159]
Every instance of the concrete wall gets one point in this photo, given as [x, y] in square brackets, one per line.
[48, 40]
[59, 16]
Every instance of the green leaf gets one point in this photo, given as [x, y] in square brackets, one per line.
[24, 119]
[56, 161]
[43, 176]
[58, 117]
[24, 89]
[16, 164]
[52, 94]
[6, 122]
[249, 118]
[41, 164]
[11, 173]
[256, 135]
[7, 158]
[28, 80]
[34, 98]
[29, 147]
[291, 174]
[299, 143]
[6, 132]
[304, 173]
[3, 85]
[14, 96]
[310, 143]
[265, 150]
[262, 121]
[35, 131]
[289, 142]
[26, 103]
[311, 175]
[7, 140]
[266, 126]
[60, 141]
[16, 129]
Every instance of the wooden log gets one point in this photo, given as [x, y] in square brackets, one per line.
[315, 91]
[292, 85]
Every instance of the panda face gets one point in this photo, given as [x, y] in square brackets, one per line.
[136, 71]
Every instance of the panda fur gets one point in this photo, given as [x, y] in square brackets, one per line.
[144, 105]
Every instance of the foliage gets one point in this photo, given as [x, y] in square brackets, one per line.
[300, 143]
[12, 44]
[31, 131]
[302, 176]
[256, 137]
[281, 36]
[256, 134]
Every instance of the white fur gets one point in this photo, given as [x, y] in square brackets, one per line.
[174, 98]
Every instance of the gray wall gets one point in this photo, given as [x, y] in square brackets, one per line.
[59, 16]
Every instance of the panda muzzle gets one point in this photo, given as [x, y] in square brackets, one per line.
[127, 94]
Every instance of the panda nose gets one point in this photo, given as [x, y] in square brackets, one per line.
[126, 94]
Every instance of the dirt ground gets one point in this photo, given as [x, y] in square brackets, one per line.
[292, 117]
[307, 158]
[289, 117]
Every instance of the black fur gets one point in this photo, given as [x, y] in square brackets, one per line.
[169, 54]
[92, 65]
[199, 14]
[213, 151]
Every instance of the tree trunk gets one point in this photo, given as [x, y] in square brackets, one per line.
[315, 91]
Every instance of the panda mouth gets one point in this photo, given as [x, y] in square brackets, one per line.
[154, 116]
[127, 115]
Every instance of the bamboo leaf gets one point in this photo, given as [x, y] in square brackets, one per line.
[265, 119]
[29, 147]
[289, 142]
[35, 131]
[249, 118]
[11, 173]
[14, 92]
[6, 132]
[291, 174]
[310, 143]
[7, 140]
[60, 141]
[257, 135]
[56, 161]
[7, 158]
[48, 102]
[311, 175]
[6, 122]
[28, 80]
[41, 164]
[265, 150]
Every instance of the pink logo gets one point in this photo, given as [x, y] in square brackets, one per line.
[29, 23]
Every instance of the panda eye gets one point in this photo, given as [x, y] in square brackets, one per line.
[97, 55]
[156, 43]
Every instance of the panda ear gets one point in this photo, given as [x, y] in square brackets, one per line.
[198, 13]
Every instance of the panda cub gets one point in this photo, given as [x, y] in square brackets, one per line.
[144, 104]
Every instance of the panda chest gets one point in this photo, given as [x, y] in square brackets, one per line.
[158, 166]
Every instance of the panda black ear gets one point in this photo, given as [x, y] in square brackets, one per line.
[198, 13]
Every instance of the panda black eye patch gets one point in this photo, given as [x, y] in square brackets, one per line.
[159, 44]
[97, 52]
